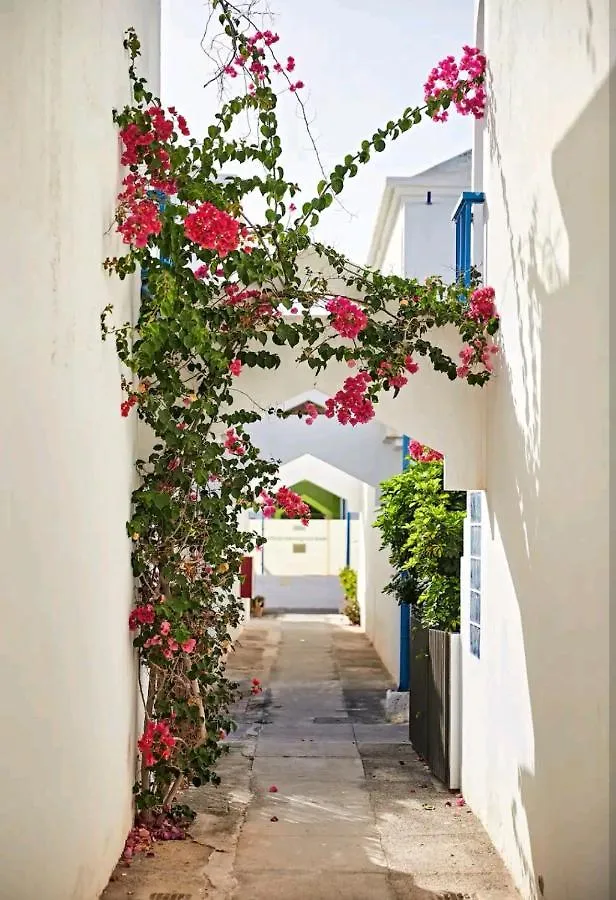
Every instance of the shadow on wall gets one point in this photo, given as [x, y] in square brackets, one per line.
[550, 505]
[300, 593]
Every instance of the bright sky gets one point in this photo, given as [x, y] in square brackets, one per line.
[363, 62]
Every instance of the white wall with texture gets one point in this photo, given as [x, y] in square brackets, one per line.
[66, 460]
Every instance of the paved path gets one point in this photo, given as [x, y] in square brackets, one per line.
[355, 814]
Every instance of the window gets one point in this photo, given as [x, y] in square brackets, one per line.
[475, 572]
[463, 218]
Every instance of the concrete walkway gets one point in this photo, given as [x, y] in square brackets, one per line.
[321, 799]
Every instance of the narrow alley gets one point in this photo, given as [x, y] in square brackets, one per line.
[320, 797]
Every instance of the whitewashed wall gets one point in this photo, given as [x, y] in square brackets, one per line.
[362, 452]
[66, 458]
[318, 548]
[536, 752]
[381, 613]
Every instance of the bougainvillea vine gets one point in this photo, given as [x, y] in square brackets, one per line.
[222, 295]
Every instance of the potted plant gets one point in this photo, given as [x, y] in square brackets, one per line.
[422, 526]
[257, 605]
[348, 580]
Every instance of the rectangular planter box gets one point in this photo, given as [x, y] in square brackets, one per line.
[435, 705]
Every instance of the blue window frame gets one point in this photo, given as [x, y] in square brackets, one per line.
[475, 572]
[463, 218]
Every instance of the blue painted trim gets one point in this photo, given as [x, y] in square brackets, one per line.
[463, 218]
[348, 540]
[405, 610]
[405, 452]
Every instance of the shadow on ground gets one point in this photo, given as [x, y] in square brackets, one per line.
[321, 798]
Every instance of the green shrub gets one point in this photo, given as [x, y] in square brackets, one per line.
[348, 580]
[422, 526]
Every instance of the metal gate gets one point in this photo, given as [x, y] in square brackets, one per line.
[429, 718]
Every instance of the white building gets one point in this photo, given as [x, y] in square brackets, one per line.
[535, 729]
[535, 657]
[69, 703]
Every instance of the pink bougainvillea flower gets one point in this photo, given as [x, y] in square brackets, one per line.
[165, 628]
[213, 229]
[141, 615]
[233, 444]
[235, 367]
[348, 319]
[420, 453]
[189, 645]
[156, 742]
[410, 365]
[351, 405]
[481, 306]
[468, 94]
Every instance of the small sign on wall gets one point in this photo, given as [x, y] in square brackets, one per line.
[299, 548]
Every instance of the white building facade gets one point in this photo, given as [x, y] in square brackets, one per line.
[535, 762]
[535, 591]
[69, 704]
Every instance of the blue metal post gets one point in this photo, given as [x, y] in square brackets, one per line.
[348, 540]
[405, 609]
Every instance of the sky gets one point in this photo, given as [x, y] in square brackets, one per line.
[362, 62]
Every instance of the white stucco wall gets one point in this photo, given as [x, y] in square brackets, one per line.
[394, 253]
[293, 549]
[361, 452]
[535, 754]
[66, 460]
[381, 613]
[430, 246]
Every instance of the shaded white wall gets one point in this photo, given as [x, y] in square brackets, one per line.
[430, 244]
[66, 460]
[535, 754]
[380, 612]
[395, 252]
[360, 452]
[460, 406]
[324, 475]
[300, 593]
